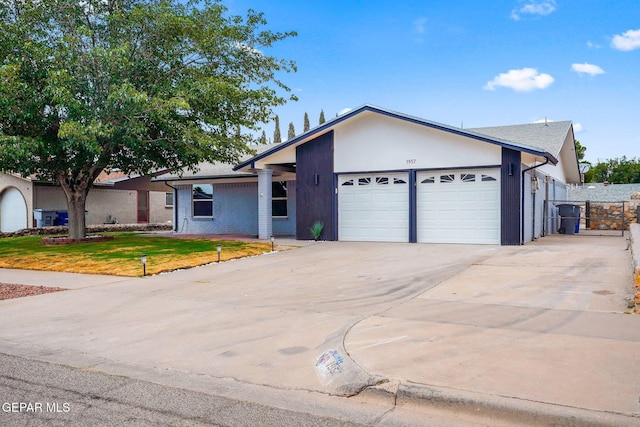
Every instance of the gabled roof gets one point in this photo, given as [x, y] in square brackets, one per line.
[327, 126]
[549, 136]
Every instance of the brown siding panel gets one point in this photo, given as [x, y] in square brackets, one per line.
[315, 187]
[510, 203]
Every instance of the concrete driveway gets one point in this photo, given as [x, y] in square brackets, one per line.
[537, 323]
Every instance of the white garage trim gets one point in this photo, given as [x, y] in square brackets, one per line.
[373, 207]
[13, 210]
[458, 206]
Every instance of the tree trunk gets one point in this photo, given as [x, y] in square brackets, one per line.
[76, 189]
[77, 221]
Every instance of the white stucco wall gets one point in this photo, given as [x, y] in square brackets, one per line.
[158, 210]
[556, 172]
[371, 142]
[25, 187]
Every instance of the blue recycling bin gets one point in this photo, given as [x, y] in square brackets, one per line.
[63, 218]
[569, 218]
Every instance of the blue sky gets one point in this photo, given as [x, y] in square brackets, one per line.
[470, 63]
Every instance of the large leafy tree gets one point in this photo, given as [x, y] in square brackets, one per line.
[580, 150]
[134, 85]
[619, 171]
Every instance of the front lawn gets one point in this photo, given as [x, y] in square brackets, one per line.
[121, 256]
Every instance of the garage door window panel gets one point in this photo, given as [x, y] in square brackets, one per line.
[429, 180]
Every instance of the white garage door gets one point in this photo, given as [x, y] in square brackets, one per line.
[13, 211]
[459, 206]
[373, 207]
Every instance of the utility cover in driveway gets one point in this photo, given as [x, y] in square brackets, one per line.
[373, 207]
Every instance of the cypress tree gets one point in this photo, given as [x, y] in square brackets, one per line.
[292, 131]
[322, 120]
[263, 138]
[276, 133]
[306, 122]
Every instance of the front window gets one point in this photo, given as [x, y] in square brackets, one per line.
[202, 197]
[279, 199]
[168, 199]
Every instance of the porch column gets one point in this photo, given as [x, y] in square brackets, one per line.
[264, 204]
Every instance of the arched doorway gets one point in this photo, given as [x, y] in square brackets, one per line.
[13, 210]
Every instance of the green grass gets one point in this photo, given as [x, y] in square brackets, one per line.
[121, 256]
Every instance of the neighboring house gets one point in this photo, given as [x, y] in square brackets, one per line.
[26, 202]
[600, 192]
[378, 175]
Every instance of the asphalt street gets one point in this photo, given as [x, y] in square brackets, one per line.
[42, 394]
[36, 393]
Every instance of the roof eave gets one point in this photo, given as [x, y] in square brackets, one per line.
[202, 177]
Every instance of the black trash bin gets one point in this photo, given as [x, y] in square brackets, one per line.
[569, 218]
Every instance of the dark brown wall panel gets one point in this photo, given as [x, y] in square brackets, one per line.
[315, 187]
[510, 198]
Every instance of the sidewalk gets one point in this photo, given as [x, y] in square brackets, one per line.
[531, 334]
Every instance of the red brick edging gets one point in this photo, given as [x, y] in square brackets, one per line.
[59, 241]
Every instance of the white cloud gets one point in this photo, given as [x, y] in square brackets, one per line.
[629, 40]
[585, 68]
[419, 28]
[344, 111]
[534, 7]
[592, 45]
[522, 80]
[419, 25]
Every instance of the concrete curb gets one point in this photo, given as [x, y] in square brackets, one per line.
[634, 246]
[487, 407]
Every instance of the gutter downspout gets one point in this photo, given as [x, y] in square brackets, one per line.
[175, 206]
[522, 193]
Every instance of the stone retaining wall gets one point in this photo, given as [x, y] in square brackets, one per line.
[610, 215]
[46, 231]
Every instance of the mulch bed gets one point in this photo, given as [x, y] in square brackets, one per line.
[9, 291]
